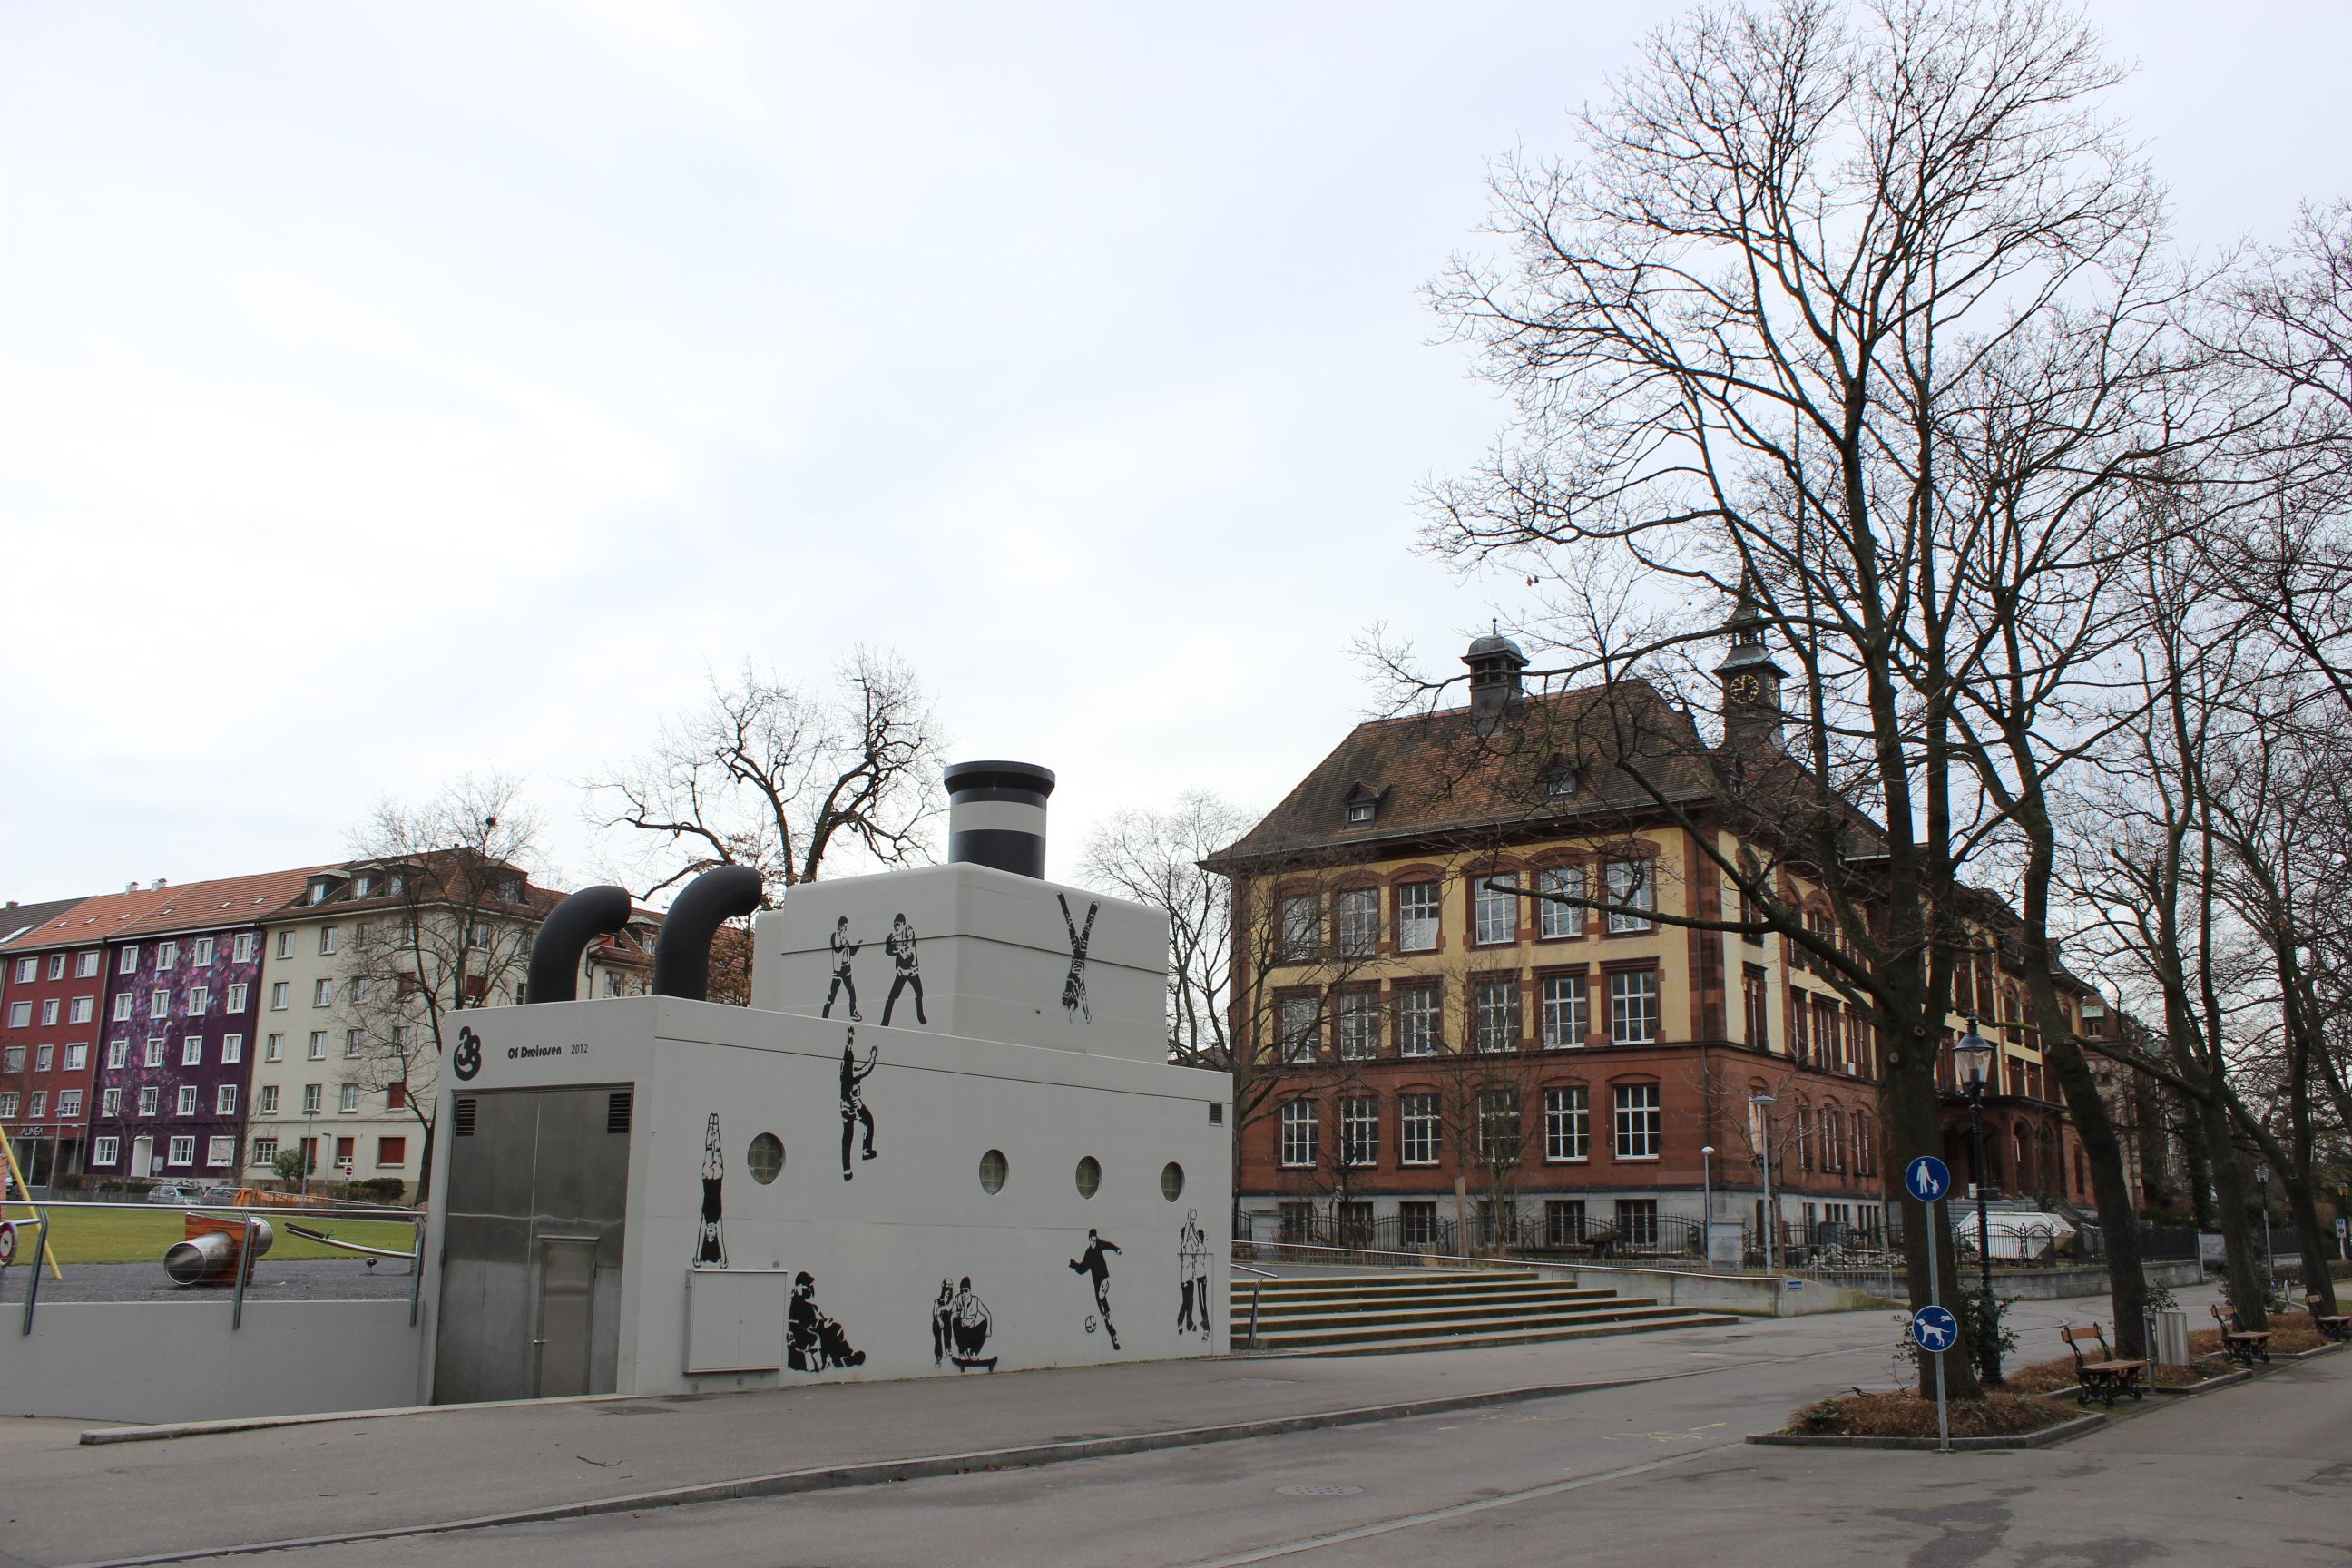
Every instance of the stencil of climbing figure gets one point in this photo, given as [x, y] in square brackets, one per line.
[900, 946]
[1073, 989]
[1192, 1264]
[959, 1328]
[854, 1074]
[843, 950]
[1092, 1263]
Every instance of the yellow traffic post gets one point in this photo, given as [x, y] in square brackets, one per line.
[24, 1188]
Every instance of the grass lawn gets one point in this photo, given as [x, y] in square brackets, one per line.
[129, 1235]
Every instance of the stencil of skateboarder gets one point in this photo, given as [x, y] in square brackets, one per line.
[1073, 989]
[900, 946]
[853, 1100]
[843, 950]
[1092, 1263]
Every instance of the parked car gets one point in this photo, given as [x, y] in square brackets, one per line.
[181, 1193]
[215, 1193]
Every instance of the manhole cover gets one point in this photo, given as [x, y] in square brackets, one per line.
[1320, 1489]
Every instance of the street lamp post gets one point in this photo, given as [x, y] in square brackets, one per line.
[1707, 1200]
[1973, 1055]
[2262, 1181]
[1761, 1103]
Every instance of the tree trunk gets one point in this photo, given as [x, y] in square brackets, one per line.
[2232, 1198]
[2118, 1216]
[1915, 1120]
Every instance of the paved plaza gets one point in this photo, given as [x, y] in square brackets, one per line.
[1637, 1452]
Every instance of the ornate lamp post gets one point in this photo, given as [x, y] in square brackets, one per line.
[1764, 1129]
[1972, 1054]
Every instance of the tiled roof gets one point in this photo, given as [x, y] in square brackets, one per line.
[230, 901]
[1437, 774]
[92, 920]
[22, 920]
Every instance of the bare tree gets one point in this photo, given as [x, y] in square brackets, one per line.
[445, 927]
[1155, 858]
[768, 774]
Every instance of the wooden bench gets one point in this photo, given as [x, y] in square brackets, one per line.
[2101, 1377]
[2331, 1325]
[2245, 1346]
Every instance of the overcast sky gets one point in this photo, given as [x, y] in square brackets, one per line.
[388, 392]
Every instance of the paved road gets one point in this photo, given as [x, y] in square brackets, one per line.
[1613, 1470]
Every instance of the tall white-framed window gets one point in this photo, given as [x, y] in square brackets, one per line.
[329, 938]
[264, 1153]
[285, 944]
[1495, 911]
[77, 1056]
[273, 1048]
[220, 1150]
[50, 1011]
[150, 1099]
[122, 1005]
[39, 1105]
[191, 1051]
[1566, 1011]
[279, 995]
[12, 1060]
[1633, 884]
[353, 1043]
[68, 1102]
[126, 961]
[1417, 1128]
[20, 1015]
[350, 1100]
[56, 966]
[110, 1103]
[1360, 1131]
[313, 1099]
[28, 971]
[1299, 1124]
[1302, 927]
[167, 955]
[187, 1100]
[7, 1103]
[1632, 1006]
[200, 1000]
[1640, 1124]
[86, 964]
[232, 1049]
[159, 1002]
[323, 993]
[245, 947]
[1358, 1025]
[201, 952]
[84, 1009]
[1299, 1022]
[225, 1100]
[1420, 1020]
[1555, 919]
[105, 1151]
[1495, 1014]
[44, 1056]
[269, 1100]
[1418, 908]
[155, 1050]
[1356, 914]
[1567, 1122]
[183, 1150]
[237, 994]
[1502, 1129]
[318, 1045]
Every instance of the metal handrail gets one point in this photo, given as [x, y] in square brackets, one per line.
[1378, 1252]
[1257, 1285]
[248, 1212]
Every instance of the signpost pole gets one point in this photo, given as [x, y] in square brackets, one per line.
[1927, 1179]
[1943, 1413]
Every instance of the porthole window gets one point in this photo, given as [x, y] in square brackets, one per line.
[993, 1171]
[765, 1157]
[1089, 1176]
[1171, 1181]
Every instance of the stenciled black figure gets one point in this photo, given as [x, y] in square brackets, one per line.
[813, 1342]
[1091, 1262]
[843, 950]
[959, 1328]
[1074, 988]
[1192, 1263]
[900, 946]
[853, 1100]
[710, 1249]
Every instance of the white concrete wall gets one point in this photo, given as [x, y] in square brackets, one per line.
[179, 1361]
[994, 952]
[879, 1245]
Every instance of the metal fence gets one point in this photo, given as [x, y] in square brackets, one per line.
[1560, 1235]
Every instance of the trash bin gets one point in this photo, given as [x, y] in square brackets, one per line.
[2171, 1348]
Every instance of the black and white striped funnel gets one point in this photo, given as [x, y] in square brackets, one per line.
[996, 816]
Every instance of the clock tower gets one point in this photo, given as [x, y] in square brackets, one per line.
[1750, 680]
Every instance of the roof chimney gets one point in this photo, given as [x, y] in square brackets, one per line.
[996, 816]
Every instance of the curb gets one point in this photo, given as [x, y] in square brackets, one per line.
[876, 1472]
[165, 1431]
[2063, 1432]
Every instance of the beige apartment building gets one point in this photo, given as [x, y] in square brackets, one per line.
[346, 1064]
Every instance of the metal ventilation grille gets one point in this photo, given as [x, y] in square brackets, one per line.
[465, 1128]
[1216, 1116]
[616, 1112]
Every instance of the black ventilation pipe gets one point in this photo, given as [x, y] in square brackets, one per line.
[564, 935]
[682, 956]
[996, 816]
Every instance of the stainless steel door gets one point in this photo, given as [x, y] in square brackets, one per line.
[567, 1313]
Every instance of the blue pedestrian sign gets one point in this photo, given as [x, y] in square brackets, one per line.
[1934, 1329]
[1926, 1178]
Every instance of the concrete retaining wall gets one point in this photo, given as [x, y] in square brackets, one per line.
[178, 1361]
[1757, 1295]
[2054, 1284]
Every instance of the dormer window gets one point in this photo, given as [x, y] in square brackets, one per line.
[1560, 781]
[323, 888]
[1363, 804]
[362, 886]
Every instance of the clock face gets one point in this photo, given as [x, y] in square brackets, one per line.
[1746, 688]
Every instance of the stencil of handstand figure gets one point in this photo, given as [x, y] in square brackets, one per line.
[1091, 1262]
[1073, 989]
[900, 946]
[853, 1100]
[843, 950]
[813, 1342]
[959, 1328]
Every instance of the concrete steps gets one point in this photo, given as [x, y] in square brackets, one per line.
[1355, 1314]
